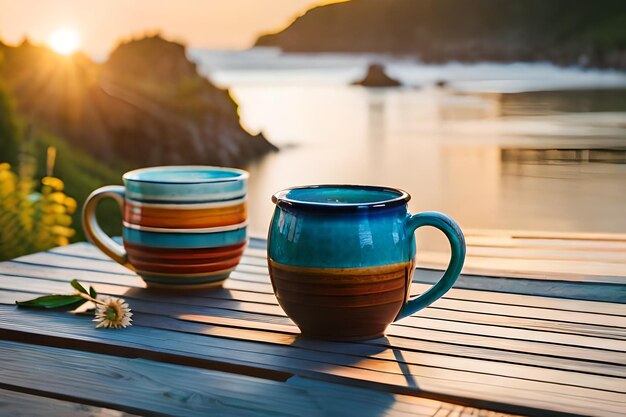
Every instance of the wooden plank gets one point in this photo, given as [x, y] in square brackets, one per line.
[433, 360]
[601, 308]
[260, 318]
[584, 236]
[592, 336]
[484, 389]
[573, 256]
[518, 252]
[530, 268]
[471, 300]
[429, 351]
[446, 303]
[413, 349]
[414, 404]
[151, 387]
[600, 298]
[413, 324]
[579, 311]
[523, 258]
[550, 288]
[437, 360]
[50, 259]
[428, 341]
[548, 303]
[539, 244]
[188, 300]
[80, 249]
[510, 321]
[258, 242]
[615, 293]
[14, 268]
[19, 404]
[508, 351]
[531, 312]
[247, 306]
[343, 400]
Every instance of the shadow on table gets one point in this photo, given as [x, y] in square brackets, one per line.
[229, 314]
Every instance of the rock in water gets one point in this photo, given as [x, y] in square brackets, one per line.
[376, 77]
[146, 105]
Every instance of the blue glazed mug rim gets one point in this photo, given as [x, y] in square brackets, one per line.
[284, 200]
[134, 175]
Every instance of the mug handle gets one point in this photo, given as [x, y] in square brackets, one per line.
[457, 246]
[92, 229]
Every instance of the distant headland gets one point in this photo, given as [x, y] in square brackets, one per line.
[146, 105]
[565, 32]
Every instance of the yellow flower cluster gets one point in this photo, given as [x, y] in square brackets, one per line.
[32, 220]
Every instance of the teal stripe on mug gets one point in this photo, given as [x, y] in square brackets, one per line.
[185, 240]
[357, 239]
[173, 193]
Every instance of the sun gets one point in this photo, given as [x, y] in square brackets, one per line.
[64, 41]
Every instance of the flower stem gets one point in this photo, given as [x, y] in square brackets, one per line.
[90, 298]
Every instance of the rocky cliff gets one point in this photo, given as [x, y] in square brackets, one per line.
[588, 33]
[146, 105]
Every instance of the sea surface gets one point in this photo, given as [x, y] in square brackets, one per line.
[472, 147]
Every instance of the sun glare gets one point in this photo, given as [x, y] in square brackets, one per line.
[64, 41]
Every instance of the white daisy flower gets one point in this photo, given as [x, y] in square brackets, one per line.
[113, 313]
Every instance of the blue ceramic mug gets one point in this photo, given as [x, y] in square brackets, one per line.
[341, 258]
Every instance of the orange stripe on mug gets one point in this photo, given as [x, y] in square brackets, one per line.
[173, 218]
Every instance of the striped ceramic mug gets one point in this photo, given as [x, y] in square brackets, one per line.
[184, 227]
[341, 258]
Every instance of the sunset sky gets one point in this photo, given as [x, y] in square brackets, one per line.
[230, 24]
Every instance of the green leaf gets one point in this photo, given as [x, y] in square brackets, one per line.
[93, 292]
[55, 301]
[74, 283]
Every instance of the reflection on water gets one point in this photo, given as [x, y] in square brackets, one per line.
[556, 102]
[442, 145]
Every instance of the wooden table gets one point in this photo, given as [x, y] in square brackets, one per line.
[490, 346]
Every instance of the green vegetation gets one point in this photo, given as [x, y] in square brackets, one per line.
[32, 220]
[23, 203]
[81, 174]
[37, 215]
[9, 134]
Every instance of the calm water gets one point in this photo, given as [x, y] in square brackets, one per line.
[442, 145]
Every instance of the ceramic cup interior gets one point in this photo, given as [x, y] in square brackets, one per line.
[321, 196]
